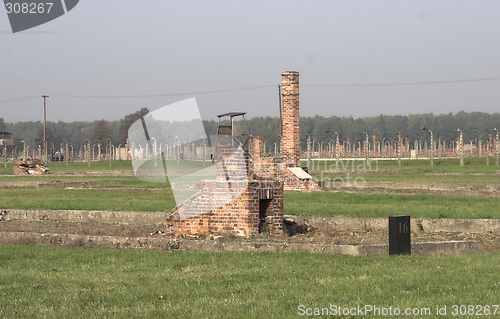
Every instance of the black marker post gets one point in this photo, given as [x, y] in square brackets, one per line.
[399, 235]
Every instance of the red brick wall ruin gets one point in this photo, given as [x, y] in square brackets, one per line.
[247, 196]
[256, 207]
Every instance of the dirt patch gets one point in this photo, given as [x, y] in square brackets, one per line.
[489, 242]
[80, 228]
[450, 189]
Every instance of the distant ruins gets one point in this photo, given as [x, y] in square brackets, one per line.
[30, 167]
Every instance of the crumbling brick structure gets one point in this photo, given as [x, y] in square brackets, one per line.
[246, 198]
[30, 167]
[236, 203]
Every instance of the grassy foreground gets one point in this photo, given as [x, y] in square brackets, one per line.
[49, 282]
[55, 282]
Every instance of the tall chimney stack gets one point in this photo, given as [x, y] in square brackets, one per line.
[290, 140]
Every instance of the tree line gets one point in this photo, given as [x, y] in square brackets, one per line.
[474, 125]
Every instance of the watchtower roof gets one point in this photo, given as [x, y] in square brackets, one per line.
[232, 114]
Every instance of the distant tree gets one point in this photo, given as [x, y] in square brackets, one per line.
[127, 121]
[18, 146]
[320, 129]
[52, 142]
[3, 126]
[210, 127]
[101, 133]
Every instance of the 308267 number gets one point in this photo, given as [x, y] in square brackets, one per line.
[28, 7]
[474, 310]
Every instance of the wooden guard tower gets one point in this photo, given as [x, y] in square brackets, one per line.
[231, 129]
[228, 132]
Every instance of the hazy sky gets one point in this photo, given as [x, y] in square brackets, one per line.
[344, 50]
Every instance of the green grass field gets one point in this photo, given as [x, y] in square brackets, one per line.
[442, 165]
[383, 205]
[444, 170]
[48, 282]
[327, 204]
[138, 195]
[143, 200]
[56, 282]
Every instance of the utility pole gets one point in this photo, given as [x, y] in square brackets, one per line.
[308, 150]
[66, 157]
[383, 151]
[45, 128]
[111, 152]
[407, 147]
[337, 151]
[4, 154]
[367, 150]
[154, 151]
[5, 141]
[432, 145]
[374, 146]
[496, 145]
[461, 146]
[88, 152]
[399, 148]
[204, 149]
[439, 147]
[480, 146]
[24, 150]
[178, 155]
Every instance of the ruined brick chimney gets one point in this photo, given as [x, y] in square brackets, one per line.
[247, 196]
[294, 177]
[290, 140]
